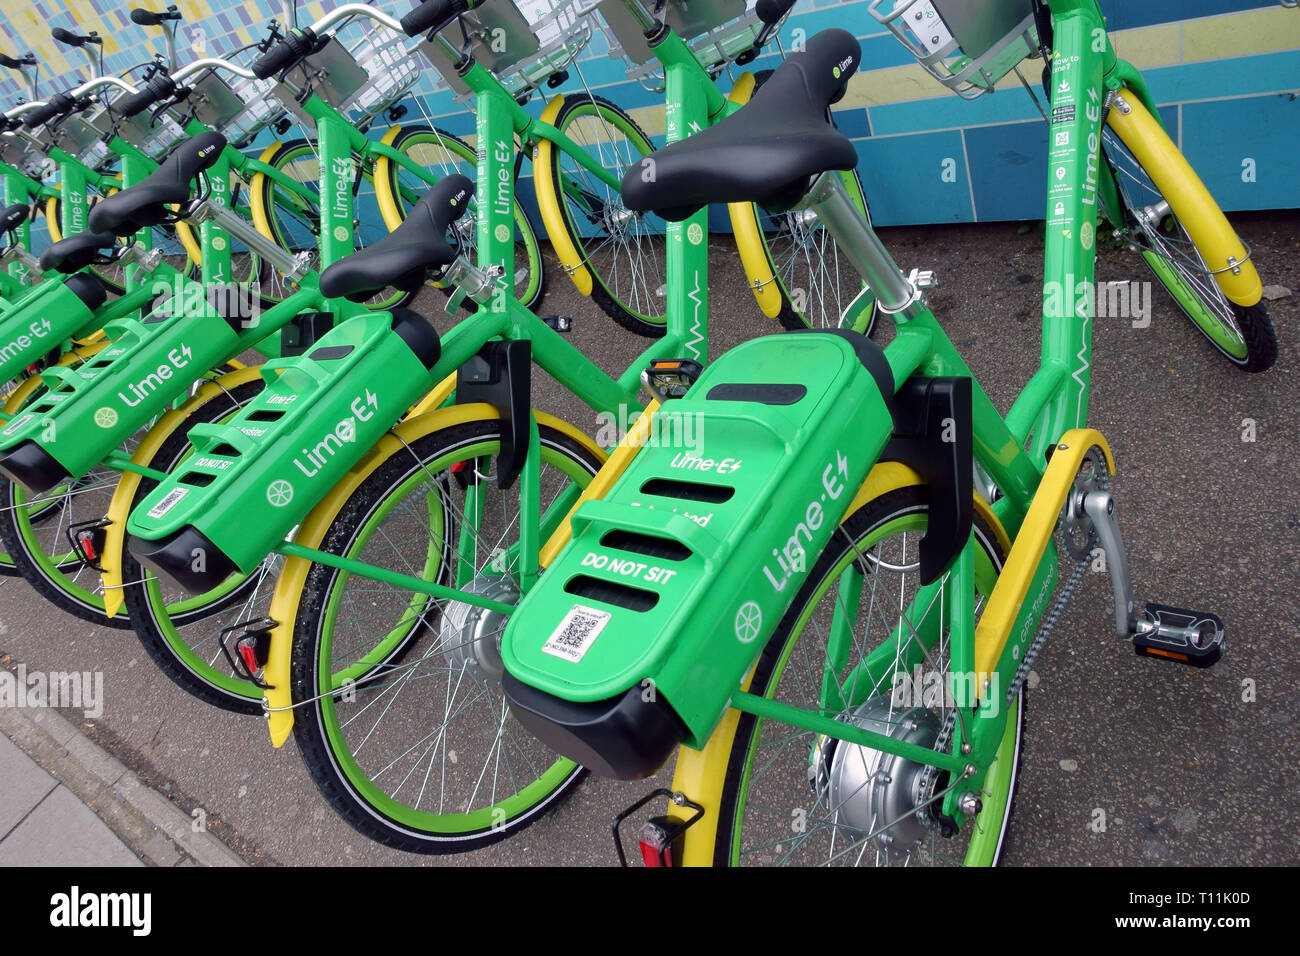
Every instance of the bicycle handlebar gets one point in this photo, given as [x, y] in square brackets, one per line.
[295, 46]
[288, 52]
[160, 86]
[42, 113]
[432, 15]
[69, 38]
[147, 18]
[771, 11]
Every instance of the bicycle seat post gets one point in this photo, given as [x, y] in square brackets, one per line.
[844, 221]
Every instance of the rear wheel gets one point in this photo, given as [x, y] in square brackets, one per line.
[34, 528]
[793, 797]
[1245, 335]
[181, 631]
[423, 754]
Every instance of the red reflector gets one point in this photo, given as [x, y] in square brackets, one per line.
[655, 850]
[87, 539]
[248, 654]
[458, 467]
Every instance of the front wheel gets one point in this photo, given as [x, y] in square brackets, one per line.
[403, 722]
[1244, 334]
[624, 251]
[863, 644]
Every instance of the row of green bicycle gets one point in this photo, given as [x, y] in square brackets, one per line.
[340, 538]
[619, 260]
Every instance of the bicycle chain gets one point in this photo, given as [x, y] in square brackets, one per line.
[929, 776]
[1058, 606]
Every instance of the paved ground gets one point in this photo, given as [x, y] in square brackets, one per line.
[1185, 767]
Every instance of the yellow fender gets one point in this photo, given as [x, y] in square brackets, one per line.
[549, 204]
[700, 773]
[52, 219]
[119, 508]
[1035, 535]
[383, 180]
[193, 249]
[749, 237]
[293, 575]
[257, 204]
[1196, 209]
[435, 399]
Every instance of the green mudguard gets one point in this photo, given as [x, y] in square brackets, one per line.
[674, 582]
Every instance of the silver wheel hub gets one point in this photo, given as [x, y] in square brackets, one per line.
[470, 636]
[875, 792]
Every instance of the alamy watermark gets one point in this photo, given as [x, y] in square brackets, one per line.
[73, 690]
[668, 428]
[935, 689]
[1102, 300]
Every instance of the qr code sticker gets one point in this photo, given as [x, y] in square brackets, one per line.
[576, 633]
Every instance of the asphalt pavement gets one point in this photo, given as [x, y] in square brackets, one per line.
[1127, 761]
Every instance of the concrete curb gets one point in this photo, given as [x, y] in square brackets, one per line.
[154, 828]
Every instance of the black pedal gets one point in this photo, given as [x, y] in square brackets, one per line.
[252, 647]
[560, 323]
[1194, 638]
[671, 378]
[88, 539]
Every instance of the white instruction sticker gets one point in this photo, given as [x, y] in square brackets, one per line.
[576, 633]
[169, 502]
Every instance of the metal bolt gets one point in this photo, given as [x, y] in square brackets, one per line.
[970, 804]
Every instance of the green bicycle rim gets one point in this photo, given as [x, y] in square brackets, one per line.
[454, 823]
[1224, 336]
[985, 839]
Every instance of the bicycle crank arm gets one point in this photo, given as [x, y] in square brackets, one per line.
[1168, 633]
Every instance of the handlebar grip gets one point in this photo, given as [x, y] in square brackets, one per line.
[147, 18]
[9, 62]
[57, 105]
[284, 54]
[771, 11]
[134, 104]
[429, 14]
[66, 36]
